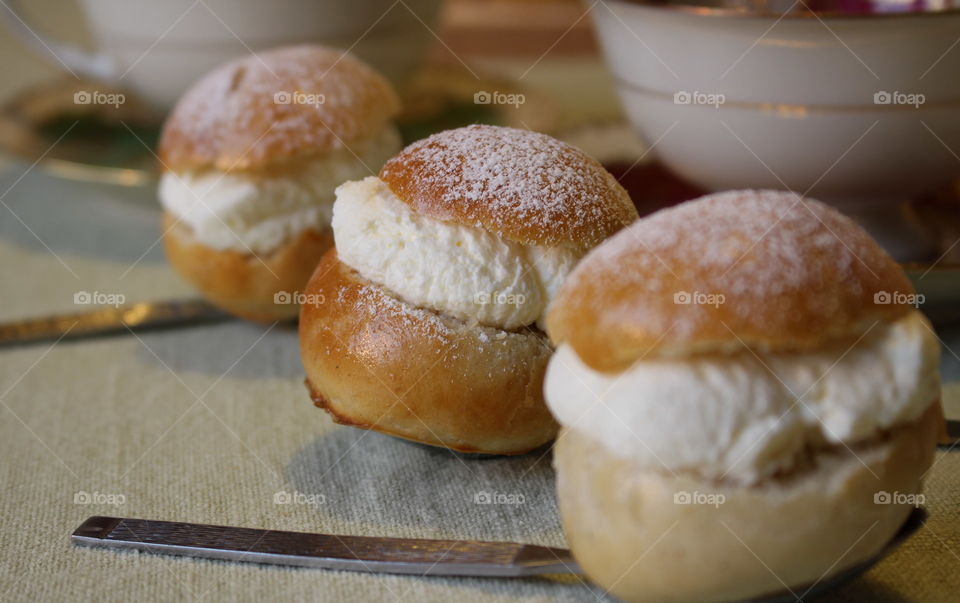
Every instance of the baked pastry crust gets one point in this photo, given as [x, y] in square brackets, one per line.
[632, 537]
[526, 187]
[790, 274]
[243, 284]
[376, 362]
[231, 119]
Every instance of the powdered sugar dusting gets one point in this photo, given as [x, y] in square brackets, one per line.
[523, 185]
[765, 263]
[371, 303]
[275, 104]
[372, 298]
[752, 242]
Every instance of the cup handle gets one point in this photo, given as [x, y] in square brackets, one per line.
[77, 61]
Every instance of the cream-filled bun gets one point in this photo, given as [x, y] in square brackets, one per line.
[252, 155]
[748, 399]
[425, 321]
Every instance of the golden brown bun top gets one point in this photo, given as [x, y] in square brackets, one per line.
[764, 269]
[279, 104]
[527, 187]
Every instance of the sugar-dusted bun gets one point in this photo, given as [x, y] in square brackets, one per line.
[524, 186]
[445, 264]
[242, 284]
[743, 388]
[655, 537]
[376, 362]
[280, 104]
[252, 155]
[763, 269]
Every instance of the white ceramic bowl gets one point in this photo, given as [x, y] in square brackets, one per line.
[157, 49]
[857, 110]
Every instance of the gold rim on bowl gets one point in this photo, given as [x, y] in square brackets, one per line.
[801, 9]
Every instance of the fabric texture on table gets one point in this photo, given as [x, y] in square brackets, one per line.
[210, 424]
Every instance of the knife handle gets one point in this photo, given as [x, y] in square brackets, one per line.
[105, 320]
[327, 551]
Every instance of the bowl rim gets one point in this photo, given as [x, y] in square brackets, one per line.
[791, 109]
[693, 7]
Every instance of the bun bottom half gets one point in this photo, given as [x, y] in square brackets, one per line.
[633, 538]
[376, 362]
[240, 283]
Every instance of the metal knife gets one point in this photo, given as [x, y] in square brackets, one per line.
[390, 555]
[106, 320]
[327, 551]
[951, 437]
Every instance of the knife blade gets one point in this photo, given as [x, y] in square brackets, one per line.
[950, 438]
[391, 555]
[327, 551]
[106, 320]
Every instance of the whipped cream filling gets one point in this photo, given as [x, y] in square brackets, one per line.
[258, 213]
[468, 273]
[744, 417]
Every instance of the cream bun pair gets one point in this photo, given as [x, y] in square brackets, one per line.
[427, 313]
[251, 157]
[748, 400]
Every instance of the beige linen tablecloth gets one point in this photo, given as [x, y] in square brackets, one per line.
[212, 424]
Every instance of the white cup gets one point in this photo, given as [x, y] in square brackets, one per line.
[158, 48]
[859, 111]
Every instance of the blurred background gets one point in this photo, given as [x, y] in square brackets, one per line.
[78, 174]
[439, 53]
[863, 113]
